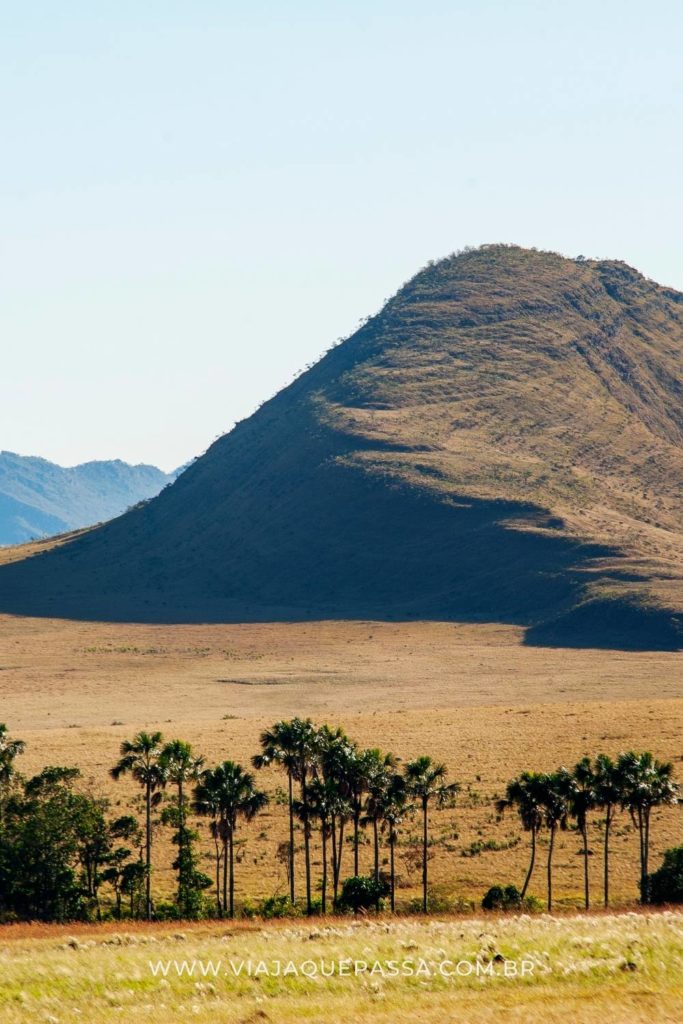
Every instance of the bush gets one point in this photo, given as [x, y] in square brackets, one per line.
[438, 901]
[278, 906]
[362, 893]
[502, 898]
[666, 884]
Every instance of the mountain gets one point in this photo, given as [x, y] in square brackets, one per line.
[502, 442]
[38, 498]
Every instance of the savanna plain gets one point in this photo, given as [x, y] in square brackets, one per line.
[473, 696]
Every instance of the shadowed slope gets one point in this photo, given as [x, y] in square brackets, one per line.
[502, 442]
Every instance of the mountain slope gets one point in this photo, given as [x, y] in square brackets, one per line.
[503, 442]
[39, 498]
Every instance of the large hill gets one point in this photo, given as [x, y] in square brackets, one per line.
[502, 442]
[39, 498]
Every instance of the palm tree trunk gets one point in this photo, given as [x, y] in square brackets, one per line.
[340, 849]
[586, 882]
[641, 842]
[225, 870]
[232, 876]
[324, 880]
[181, 840]
[531, 863]
[217, 849]
[551, 844]
[307, 842]
[608, 825]
[356, 836]
[376, 844]
[425, 843]
[148, 851]
[335, 878]
[392, 874]
[292, 887]
[644, 886]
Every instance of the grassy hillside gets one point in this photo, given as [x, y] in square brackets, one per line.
[503, 442]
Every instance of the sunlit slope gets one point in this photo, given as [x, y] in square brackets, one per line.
[503, 442]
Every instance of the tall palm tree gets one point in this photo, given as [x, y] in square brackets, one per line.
[525, 794]
[307, 753]
[321, 797]
[608, 796]
[336, 756]
[9, 751]
[181, 766]
[556, 788]
[582, 799]
[141, 758]
[392, 811]
[231, 791]
[425, 781]
[646, 783]
[379, 773]
[279, 746]
[206, 802]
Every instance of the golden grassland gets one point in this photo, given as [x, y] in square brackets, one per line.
[625, 969]
[472, 696]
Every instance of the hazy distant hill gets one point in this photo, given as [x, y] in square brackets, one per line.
[39, 498]
[502, 442]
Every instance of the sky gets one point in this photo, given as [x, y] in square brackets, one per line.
[198, 198]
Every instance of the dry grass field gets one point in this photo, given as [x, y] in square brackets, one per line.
[623, 969]
[472, 696]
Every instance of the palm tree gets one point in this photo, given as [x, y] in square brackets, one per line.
[425, 781]
[206, 802]
[279, 746]
[554, 798]
[379, 772]
[391, 812]
[336, 754]
[525, 794]
[9, 751]
[582, 799]
[646, 783]
[608, 795]
[321, 798]
[230, 791]
[181, 766]
[305, 747]
[141, 758]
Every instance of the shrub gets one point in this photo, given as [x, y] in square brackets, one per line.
[666, 884]
[278, 906]
[361, 893]
[502, 898]
[438, 901]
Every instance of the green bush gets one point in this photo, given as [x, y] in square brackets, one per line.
[438, 901]
[278, 906]
[362, 893]
[666, 884]
[501, 897]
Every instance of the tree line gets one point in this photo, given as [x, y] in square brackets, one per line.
[58, 846]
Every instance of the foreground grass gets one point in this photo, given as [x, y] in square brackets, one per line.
[616, 968]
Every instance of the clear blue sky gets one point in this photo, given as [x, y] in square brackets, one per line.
[198, 197]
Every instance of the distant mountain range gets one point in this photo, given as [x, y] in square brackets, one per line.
[39, 498]
[503, 442]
